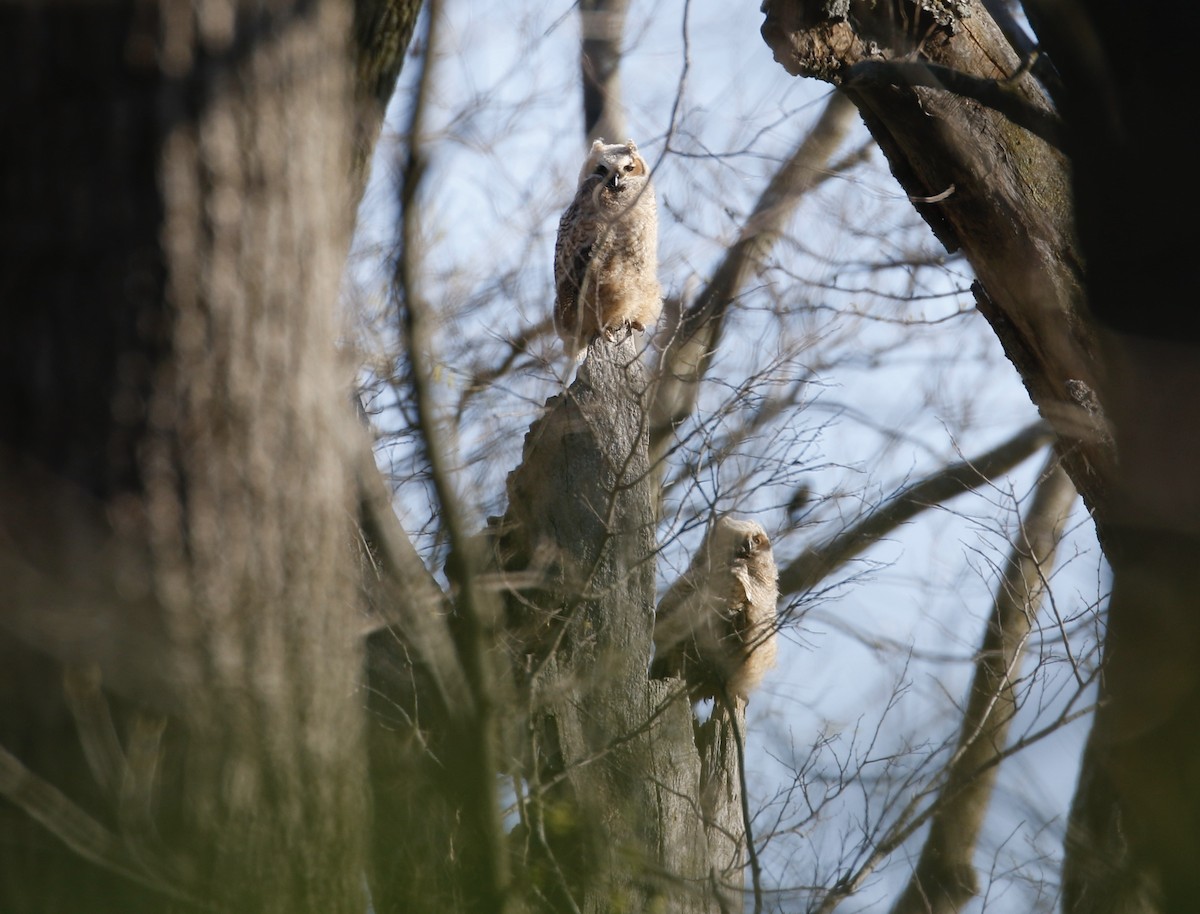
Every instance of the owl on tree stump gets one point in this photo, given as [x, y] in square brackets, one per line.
[606, 254]
[715, 626]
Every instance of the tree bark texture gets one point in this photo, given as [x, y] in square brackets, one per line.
[383, 30]
[609, 762]
[985, 185]
[1117, 371]
[171, 416]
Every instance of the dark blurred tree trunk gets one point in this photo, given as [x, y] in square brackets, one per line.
[383, 30]
[176, 515]
[1109, 354]
[1144, 751]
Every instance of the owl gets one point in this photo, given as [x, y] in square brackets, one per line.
[715, 627]
[606, 254]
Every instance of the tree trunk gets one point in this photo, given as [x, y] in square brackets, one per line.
[612, 771]
[171, 419]
[1117, 372]
[984, 185]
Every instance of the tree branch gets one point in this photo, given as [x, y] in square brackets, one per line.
[992, 93]
[689, 351]
[817, 562]
[472, 746]
[944, 879]
[76, 829]
[602, 23]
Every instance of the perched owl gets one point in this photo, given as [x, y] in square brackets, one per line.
[716, 624]
[606, 255]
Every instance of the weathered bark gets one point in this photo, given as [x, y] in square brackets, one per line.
[721, 802]
[613, 816]
[1118, 373]
[382, 32]
[983, 184]
[944, 879]
[176, 218]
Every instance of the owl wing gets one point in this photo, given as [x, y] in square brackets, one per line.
[737, 614]
[750, 631]
[573, 249]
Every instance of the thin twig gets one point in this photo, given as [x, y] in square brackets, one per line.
[47, 805]
[472, 604]
[689, 352]
[817, 562]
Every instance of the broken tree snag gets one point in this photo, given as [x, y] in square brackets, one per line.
[577, 545]
[965, 129]
[721, 801]
[580, 519]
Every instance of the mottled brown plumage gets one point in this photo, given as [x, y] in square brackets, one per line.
[715, 627]
[606, 254]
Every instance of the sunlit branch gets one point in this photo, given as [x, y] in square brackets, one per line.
[687, 356]
[944, 879]
[817, 562]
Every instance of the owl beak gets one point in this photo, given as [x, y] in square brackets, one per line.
[615, 181]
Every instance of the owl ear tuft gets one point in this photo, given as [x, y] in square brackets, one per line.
[597, 144]
[632, 146]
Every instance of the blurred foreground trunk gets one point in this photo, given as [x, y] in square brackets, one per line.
[180, 701]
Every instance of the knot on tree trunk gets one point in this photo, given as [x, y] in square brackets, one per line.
[824, 39]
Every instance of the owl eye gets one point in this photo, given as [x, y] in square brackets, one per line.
[629, 167]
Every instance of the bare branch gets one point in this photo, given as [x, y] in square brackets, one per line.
[405, 599]
[689, 351]
[75, 828]
[814, 564]
[93, 721]
[944, 879]
[475, 613]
